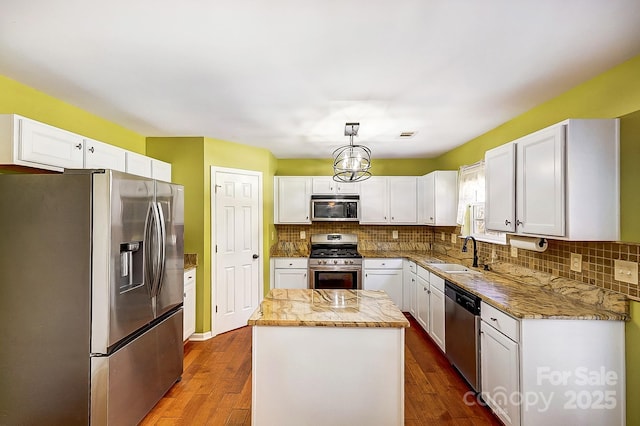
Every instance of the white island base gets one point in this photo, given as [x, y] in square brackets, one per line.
[327, 376]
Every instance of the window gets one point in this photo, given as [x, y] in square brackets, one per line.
[471, 205]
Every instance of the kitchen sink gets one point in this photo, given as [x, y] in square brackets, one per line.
[453, 268]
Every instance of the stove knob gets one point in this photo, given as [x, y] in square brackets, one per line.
[335, 262]
[351, 262]
[324, 262]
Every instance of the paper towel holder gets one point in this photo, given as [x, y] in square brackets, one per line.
[529, 243]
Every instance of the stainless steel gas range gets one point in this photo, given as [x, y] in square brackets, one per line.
[334, 262]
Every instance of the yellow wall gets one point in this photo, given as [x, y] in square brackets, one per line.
[16, 98]
[633, 365]
[615, 93]
[379, 166]
[191, 160]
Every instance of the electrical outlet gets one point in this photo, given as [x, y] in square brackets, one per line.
[454, 238]
[625, 271]
[514, 251]
[303, 235]
[442, 236]
[576, 262]
[494, 255]
[394, 235]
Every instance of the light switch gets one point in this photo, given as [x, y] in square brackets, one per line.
[394, 235]
[625, 271]
[576, 262]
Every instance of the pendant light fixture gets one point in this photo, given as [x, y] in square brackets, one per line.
[351, 162]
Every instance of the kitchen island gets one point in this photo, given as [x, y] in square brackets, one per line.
[325, 357]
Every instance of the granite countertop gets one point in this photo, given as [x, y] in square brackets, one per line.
[190, 261]
[521, 292]
[328, 308]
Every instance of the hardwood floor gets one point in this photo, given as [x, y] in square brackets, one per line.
[216, 385]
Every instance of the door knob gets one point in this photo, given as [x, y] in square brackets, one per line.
[255, 256]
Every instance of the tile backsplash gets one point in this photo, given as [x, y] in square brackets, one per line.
[597, 257]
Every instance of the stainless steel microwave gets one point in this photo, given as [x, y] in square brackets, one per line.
[335, 208]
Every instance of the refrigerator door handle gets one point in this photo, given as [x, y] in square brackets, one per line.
[149, 275]
[157, 241]
[162, 243]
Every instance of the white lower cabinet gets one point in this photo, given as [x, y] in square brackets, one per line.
[386, 275]
[499, 371]
[436, 310]
[422, 298]
[409, 279]
[547, 371]
[290, 273]
[189, 308]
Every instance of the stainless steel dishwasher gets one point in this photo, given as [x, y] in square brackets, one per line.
[462, 331]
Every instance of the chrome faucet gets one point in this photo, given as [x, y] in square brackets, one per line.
[475, 250]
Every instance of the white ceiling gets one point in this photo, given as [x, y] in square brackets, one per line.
[287, 75]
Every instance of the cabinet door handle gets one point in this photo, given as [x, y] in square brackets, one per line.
[91, 150]
[507, 222]
[518, 222]
[79, 146]
[494, 319]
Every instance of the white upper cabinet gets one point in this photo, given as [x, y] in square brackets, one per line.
[29, 143]
[389, 200]
[562, 182]
[292, 199]
[374, 201]
[403, 200]
[99, 155]
[500, 188]
[26, 142]
[160, 170]
[438, 198]
[138, 164]
[325, 185]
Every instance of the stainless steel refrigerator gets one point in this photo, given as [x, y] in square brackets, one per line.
[91, 292]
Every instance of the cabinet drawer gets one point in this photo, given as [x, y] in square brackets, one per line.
[502, 322]
[383, 263]
[423, 273]
[291, 263]
[189, 277]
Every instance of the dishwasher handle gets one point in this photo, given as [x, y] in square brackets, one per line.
[463, 298]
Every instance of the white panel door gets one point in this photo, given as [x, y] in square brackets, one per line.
[236, 275]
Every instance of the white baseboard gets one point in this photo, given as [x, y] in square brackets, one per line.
[200, 337]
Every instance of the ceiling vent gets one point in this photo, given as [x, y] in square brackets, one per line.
[407, 134]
